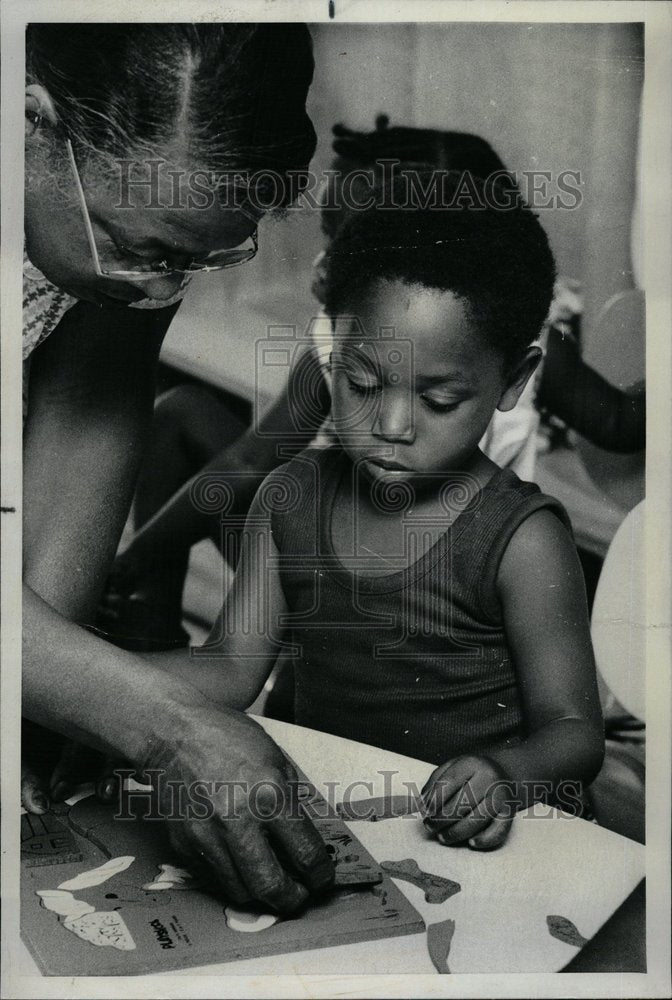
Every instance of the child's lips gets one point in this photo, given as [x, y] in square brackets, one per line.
[387, 466]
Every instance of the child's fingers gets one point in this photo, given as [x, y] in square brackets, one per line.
[34, 798]
[463, 829]
[493, 836]
[445, 812]
[434, 777]
[445, 782]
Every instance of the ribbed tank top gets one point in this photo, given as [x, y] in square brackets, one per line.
[415, 662]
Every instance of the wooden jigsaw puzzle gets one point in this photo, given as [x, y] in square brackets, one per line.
[107, 897]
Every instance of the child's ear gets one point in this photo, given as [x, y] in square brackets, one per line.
[518, 377]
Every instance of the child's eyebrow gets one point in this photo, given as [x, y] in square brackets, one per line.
[456, 377]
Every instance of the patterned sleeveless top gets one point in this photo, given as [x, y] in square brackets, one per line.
[44, 306]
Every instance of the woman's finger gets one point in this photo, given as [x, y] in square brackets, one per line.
[263, 875]
[206, 853]
[77, 765]
[107, 785]
[302, 847]
[34, 798]
[493, 836]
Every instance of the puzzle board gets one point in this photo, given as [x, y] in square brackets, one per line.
[105, 897]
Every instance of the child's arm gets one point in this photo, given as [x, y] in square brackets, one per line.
[541, 588]
[235, 661]
[179, 524]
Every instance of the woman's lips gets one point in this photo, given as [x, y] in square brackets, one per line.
[125, 295]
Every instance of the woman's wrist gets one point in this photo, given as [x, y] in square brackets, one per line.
[164, 720]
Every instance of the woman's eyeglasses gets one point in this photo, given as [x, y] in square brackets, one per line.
[215, 261]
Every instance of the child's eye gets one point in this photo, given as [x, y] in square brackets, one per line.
[362, 390]
[440, 406]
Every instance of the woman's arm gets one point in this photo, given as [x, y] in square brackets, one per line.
[91, 403]
[90, 410]
[238, 656]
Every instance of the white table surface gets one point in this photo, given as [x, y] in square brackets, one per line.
[551, 864]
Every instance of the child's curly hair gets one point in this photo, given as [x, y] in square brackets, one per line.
[498, 260]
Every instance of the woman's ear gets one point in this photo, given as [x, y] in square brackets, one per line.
[518, 377]
[39, 108]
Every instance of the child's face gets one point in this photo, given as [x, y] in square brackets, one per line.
[418, 400]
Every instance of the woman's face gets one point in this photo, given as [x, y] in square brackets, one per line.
[133, 225]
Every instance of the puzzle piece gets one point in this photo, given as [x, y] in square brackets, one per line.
[96, 876]
[439, 940]
[354, 866]
[64, 903]
[45, 840]
[437, 889]
[249, 921]
[103, 928]
[171, 877]
[376, 809]
[564, 930]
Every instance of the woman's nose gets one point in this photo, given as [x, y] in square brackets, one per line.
[161, 288]
[394, 420]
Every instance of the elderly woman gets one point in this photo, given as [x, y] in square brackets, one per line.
[117, 118]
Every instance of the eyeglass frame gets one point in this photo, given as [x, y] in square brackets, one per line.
[143, 275]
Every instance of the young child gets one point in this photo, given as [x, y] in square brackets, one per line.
[510, 437]
[434, 602]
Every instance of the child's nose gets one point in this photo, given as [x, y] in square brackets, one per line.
[394, 421]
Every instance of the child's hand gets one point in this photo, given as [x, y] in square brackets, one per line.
[469, 798]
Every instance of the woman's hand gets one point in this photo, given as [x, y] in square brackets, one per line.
[40, 749]
[53, 768]
[79, 764]
[238, 821]
[130, 709]
[469, 798]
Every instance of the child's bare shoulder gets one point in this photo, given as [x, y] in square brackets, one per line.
[294, 483]
[540, 551]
